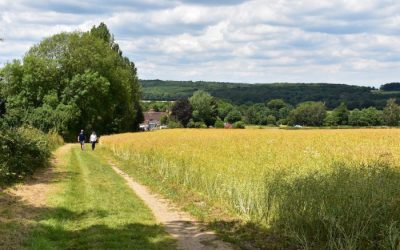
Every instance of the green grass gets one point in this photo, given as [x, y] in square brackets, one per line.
[95, 209]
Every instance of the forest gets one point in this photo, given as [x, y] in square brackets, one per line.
[292, 93]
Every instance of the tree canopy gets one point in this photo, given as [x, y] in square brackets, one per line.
[71, 81]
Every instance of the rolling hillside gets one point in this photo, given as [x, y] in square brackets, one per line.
[293, 93]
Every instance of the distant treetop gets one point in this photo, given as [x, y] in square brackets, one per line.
[393, 86]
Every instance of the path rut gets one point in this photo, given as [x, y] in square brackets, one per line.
[189, 233]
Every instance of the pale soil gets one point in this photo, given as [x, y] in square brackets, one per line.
[189, 233]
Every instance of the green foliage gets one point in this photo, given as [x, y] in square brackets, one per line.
[219, 123]
[23, 150]
[158, 106]
[182, 111]
[271, 120]
[204, 107]
[393, 86]
[239, 124]
[391, 113]
[292, 93]
[164, 120]
[342, 114]
[308, 114]
[257, 114]
[339, 116]
[366, 117]
[174, 124]
[276, 104]
[224, 108]
[233, 116]
[71, 81]
[193, 124]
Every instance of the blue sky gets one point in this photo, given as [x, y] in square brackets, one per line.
[337, 41]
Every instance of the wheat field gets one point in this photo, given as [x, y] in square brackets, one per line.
[336, 189]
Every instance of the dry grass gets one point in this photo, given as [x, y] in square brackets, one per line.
[331, 188]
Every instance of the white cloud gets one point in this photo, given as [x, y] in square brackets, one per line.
[347, 41]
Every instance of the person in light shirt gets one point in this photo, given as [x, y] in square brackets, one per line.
[93, 139]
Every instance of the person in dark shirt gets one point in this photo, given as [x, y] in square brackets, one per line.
[81, 139]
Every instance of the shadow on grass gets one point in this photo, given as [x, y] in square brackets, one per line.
[348, 207]
[249, 235]
[25, 225]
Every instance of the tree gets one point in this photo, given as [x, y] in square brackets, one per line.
[257, 114]
[182, 111]
[373, 116]
[233, 116]
[204, 107]
[339, 116]
[276, 104]
[84, 72]
[393, 86]
[366, 117]
[223, 109]
[271, 120]
[356, 118]
[331, 119]
[309, 114]
[391, 113]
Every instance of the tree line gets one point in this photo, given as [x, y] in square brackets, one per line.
[202, 110]
[292, 93]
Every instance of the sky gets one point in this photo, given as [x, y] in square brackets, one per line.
[261, 41]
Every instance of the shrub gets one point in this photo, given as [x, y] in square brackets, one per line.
[239, 124]
[23, 150]
[219, 123]
[193, 124]
[174, 124]
[164, 120]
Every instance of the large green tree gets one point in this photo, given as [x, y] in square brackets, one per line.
[309, 114]
[73, 81]
[205, 108]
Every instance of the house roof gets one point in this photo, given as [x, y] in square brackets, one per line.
[153, 115]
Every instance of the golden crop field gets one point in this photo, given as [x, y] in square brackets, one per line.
[339, 189]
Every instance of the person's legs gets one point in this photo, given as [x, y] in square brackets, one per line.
[93, 145]
[82, 145]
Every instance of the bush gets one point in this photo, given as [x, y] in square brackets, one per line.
[23, 150]
[174, 124]
[219, 123]
[193, 124]
[239, 124]
[164, 120]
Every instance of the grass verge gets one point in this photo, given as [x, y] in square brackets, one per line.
[91, 207]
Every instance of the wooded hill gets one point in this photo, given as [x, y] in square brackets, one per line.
[293, 93]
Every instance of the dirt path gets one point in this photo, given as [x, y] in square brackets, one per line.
[20, 205]
[189, 233]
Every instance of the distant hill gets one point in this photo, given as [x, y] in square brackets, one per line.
[293, 93]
